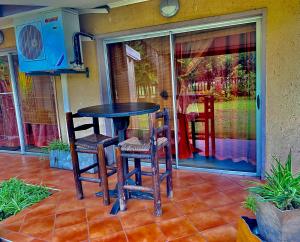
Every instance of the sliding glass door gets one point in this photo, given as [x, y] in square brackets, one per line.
[9, 136]
[210, 85]
[216, 99]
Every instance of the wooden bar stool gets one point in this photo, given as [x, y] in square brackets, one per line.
[160, 137]
[93, 144]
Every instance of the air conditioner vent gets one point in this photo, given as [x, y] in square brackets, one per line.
[30, 42]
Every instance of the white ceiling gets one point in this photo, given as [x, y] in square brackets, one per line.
[71, 3]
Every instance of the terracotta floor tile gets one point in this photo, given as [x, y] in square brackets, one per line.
[98, 212]
[46, 236]
[201, 189]
[70, 218]
[206, 220]
[13, 219]
[116, 237]
[191, 238]
[217, 199]
[169, 211]
[237, 195]
[67, 205]
[191, 205]
[18, 237]
[232, 212]
[104, 227]
[177, 227]
[78, 232]
[225, 233]
[136, 205]
[187, 180]
[182, 194]
[41, 210]
[37, 225]
[148, 233]
[13, 226]
[134, 219]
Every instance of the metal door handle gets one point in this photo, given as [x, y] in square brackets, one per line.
[258, 102]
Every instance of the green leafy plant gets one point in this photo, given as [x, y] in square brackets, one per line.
[281, 188]
[15, 195]
[57, 145]
[250, 203]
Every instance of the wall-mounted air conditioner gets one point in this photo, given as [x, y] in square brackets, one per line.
[45, 40]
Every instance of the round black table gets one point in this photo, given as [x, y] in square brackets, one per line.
[120, 113]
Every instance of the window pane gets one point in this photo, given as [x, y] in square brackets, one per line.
[140, 72]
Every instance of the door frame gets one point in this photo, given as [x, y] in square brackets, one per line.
[257, 16]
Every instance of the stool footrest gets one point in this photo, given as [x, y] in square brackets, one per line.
[89, 179]
[138, 188]
[131, 173]
[88, 168]
[163, 176]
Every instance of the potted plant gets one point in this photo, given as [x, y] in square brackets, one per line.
[276, 203]
[60, 157]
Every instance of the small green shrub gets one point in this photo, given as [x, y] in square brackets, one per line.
[57, 145]
[250, 203]
[281, 188]
[15, 195]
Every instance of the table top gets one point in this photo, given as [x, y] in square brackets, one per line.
[116, 110]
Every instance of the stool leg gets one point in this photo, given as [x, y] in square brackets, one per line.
[213, 138]
[138, 175]
[103, 174]
[156, 185]
[206, 134]
[121, 180]
[193, 133]
[76, 171]
[169, 169]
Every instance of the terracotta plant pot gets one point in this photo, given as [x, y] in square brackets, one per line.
[276, 225]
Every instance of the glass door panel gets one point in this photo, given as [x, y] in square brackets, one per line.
[9, 137]
[216, 98]
[38, 108]
[140, 72]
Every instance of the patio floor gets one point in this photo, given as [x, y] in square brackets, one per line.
[205, 207]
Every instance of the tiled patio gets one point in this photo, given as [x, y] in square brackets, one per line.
[205, 207]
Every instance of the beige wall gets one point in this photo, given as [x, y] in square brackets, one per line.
[282, 60]
[83, 91]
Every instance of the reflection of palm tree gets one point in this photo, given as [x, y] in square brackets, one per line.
[145, 75]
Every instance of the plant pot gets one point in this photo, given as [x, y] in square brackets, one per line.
[276, 225]
[62, 160]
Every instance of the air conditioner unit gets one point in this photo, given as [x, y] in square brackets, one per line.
[44, 40]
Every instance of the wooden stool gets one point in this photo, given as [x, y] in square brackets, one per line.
[93, 144]
[208, 118]
[160, 137]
